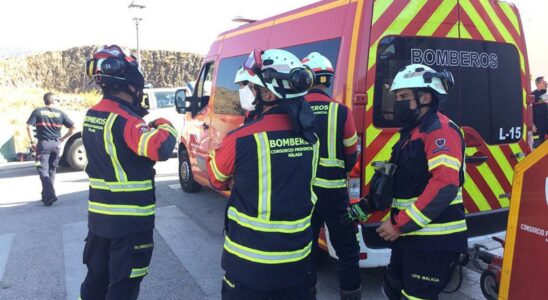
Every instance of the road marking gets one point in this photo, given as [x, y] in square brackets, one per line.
[175, 186]
[5, 247]
[200, 255]
[73, 247]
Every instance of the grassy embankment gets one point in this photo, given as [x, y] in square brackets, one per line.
[16, 105]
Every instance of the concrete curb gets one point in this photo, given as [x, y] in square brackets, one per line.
[16, 165]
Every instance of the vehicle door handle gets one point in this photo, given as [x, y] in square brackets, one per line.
[205, 126]
[476, 159]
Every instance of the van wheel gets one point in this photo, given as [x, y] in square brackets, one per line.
[186, 179]
[76, 155]
[489, 285]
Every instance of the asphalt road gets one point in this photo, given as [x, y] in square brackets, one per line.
[41, 247]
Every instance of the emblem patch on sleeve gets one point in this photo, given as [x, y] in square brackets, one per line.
[440, 145]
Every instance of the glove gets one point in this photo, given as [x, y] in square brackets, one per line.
[158, 122]
[356, 212]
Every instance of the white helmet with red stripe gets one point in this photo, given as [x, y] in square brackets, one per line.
[321, 66]
[416, 76]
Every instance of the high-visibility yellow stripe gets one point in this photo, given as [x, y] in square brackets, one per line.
[517, 149]
[266, 257]
[350, 141]
[315, 159]
[265, 174]
[383, 155]
[435, 20]
[379, 8]
[329, 163]
[501, 159]
[353, 53]
[121, 210]
[110, 148]
[454, 32]
[138, 272]
[502, 30]
[144, 140]
[125, 186]
[444, 160]
[409, 296]
[372, 133]
[406, 203]
[332, 130]
[440, 229]
[258, 224]
[475, 193]
[216, 172]
[493, 183]
[477, 20]
[417, 216]
[464, 34]
[169, 129]
[330, 184]
[404, 18]
[511, 15]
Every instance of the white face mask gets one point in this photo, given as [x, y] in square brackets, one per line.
[247, 98]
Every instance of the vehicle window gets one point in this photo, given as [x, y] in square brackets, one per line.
[165, 99]
[227, 98]
[487, 93]
[203, 86]
[327, 48]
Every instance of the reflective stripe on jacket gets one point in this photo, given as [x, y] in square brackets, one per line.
[268, 233]
[121, 150]
[428, 207]
[338, 139]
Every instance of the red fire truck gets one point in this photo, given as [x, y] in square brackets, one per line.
[481, 42]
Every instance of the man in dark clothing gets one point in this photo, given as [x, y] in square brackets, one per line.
[48, 121]
[426, 228]
[540, 109]
[270, 163]
[121, 150]
[338, 144]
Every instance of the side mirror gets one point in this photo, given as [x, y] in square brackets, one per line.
[181, 104]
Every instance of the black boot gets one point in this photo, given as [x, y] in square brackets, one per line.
[351, 295]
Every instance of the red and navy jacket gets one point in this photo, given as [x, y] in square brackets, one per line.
[428, 208]
[48, 122]
[338, 139]
[121, 149]
[268, 233]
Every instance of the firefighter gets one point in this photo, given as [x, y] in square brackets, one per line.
[270, 164]
[426, 229]
[48, 121]
[121, 150]
[338, 144]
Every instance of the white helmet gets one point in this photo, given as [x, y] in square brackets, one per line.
[420, 76]
[245, 75]
[281, 71]
[321, 66]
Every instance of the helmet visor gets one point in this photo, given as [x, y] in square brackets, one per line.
[254, 63]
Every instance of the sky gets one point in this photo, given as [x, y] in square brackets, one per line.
[180, 25]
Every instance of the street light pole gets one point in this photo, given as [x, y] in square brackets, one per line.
[136, 10]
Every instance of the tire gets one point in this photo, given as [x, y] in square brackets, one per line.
[76, 155]
[489, 285]
[186, 179]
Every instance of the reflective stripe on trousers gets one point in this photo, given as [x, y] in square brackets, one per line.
[258, 224]
[266, 257]
[121, 210]
[126, 186]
